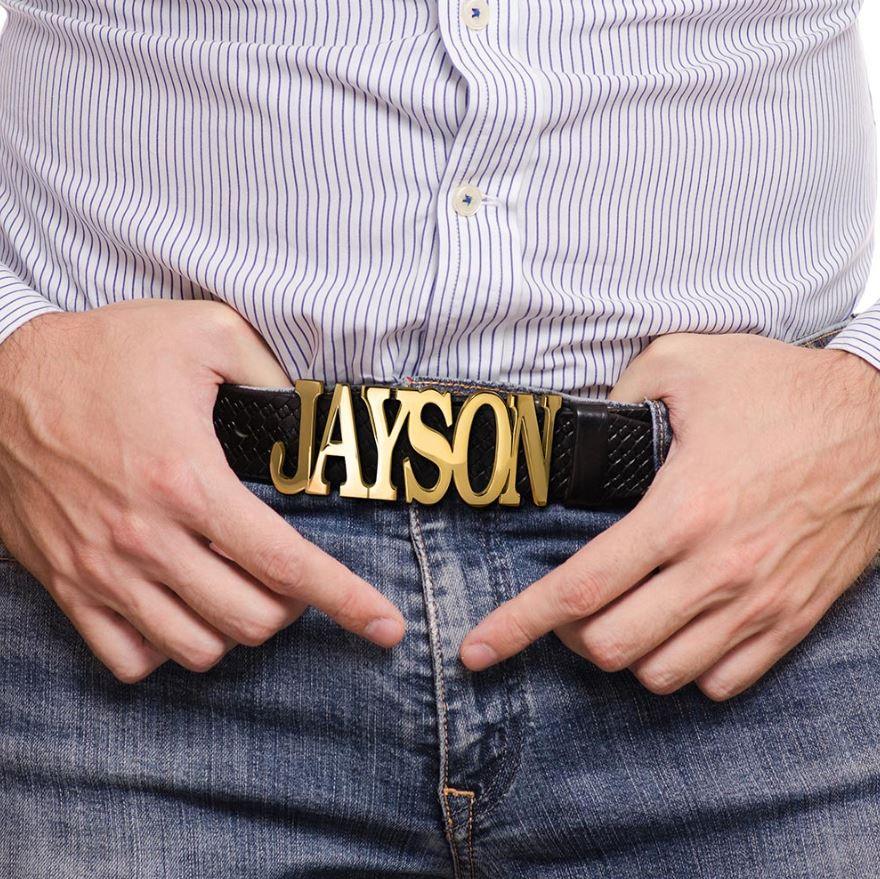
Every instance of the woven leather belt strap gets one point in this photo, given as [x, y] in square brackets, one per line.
[603, 453]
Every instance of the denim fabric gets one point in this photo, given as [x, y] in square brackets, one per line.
[319, 755]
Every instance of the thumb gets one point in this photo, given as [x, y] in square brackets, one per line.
[242, 356]
[656, 372]
[641, 380]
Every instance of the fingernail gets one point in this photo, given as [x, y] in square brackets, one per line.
[384, 631]
[478, 656]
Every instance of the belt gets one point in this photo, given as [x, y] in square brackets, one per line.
[411, 443]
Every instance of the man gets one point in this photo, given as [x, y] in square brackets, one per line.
[529, 205]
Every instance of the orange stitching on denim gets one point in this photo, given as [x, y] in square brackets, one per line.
[454, 792]
[421, 548]
[470, 797]
[432, 624]
[443, 709]
[450, 836]
[470, 836]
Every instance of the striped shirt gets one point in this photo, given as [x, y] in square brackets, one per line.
[511, 191]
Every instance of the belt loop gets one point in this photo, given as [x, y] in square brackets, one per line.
[662, 432]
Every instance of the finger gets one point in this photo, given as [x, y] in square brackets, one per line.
[656, 372]
[261, 542]
[746, 663]
[750, 660]
[635, 386]
[695, 648]
[115, 642]
[643, 618]
[169, 624]
[609, 565]
[242, 355]
[224, 595]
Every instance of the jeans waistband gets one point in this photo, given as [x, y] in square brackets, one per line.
[821, 338]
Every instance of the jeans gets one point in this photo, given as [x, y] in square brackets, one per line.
[320, 755]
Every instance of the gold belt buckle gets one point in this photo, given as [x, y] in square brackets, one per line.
[516, 424]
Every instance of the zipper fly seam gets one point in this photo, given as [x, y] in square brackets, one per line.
[436, 650]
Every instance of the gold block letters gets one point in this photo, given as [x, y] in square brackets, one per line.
[516, 424]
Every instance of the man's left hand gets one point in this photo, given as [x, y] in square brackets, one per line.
[766, 509]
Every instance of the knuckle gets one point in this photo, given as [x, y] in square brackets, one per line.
[684, 530]
[740, 564]
[66, 590]
[130, 670]
[130, 533]
[796, 628]
[137, 603]
[516, 631]
[203, 657]
[225, 321]
[92, 566]
[660, 679]
[173, 482]
[257, 629]
[660, 349]
[767, 605]
[718, 689]
[278, 567]
[606, 651]
[349, 610]
[694, 513]
[581, 594]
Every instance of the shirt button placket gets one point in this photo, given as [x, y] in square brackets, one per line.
[477, 230]
[467, 199]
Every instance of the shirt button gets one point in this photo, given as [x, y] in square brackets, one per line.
[475, 14]
[467, 200]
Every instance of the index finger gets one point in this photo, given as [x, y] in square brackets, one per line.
[263, 543]
[609, 565]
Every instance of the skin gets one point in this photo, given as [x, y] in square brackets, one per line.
[765, 512]
[115, 493]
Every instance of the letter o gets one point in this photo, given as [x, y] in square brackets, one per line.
[461, 439]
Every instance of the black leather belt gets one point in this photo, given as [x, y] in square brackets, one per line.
[598, 453]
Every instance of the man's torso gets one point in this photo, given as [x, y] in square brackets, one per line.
[638, 169]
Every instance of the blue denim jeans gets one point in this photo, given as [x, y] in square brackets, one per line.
[319, 755]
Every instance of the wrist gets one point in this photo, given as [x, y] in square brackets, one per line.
[21, 340]
[855, 377]
[32, 346]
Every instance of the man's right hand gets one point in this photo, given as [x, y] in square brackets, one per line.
[116, 495]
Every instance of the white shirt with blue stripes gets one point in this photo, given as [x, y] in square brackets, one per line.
[513, 191]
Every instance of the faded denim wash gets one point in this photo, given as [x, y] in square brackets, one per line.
[319, 755]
